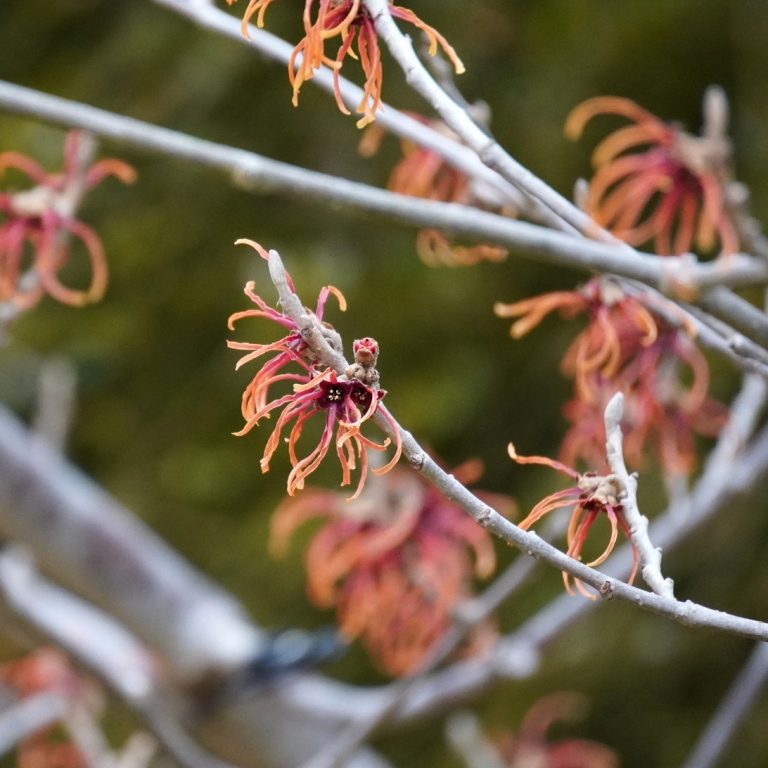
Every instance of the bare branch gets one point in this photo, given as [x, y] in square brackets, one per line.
[25, 717]
[650, 556]
[733, 467]
[55, 400]
[93, 544]
[718, 300]
[259, 173]
[554, 209]
[256, 172]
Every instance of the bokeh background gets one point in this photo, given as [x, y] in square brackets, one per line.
[157, 394]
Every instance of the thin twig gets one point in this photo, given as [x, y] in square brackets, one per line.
[555, 210]
[732, 467]
[57, 382]
[28, 716]
[259, 173]
[650, 556]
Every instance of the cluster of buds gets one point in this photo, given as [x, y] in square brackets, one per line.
[350, 21]
[38, 224]
[366, 352]
[394, 563]
[345, 402]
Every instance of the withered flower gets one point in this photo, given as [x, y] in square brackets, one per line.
[619, 326]
[626, 347]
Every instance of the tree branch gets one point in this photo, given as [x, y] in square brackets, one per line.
[25, 717]
[650, 556]
[717, 300]
[687, 612]
[731, 469]
[94, 545]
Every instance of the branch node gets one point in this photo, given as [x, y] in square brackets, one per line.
[606, 590]
[417, 461]
[485, 516]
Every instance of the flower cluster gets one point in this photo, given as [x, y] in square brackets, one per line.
[41, 219]
[422, 172]
[673, 192]
[344, 402]
[349, 21]
[625, 347]
[591, 497]
[46, 669]
[530, 746]
[393, 563]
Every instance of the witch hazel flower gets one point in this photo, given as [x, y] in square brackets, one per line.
[654, 181]
[38, 227]
[619, 326]
[350, 21]
[344, 403]
[424, 173]
[592, 496]
[625, 347]
[394, 563]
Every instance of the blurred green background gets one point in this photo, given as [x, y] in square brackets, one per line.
[157, 392]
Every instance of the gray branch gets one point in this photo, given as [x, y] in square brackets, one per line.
[526, 240]
[650, 556]
[95, 546]
[733, 467]
[25, 717]
[684, 612]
